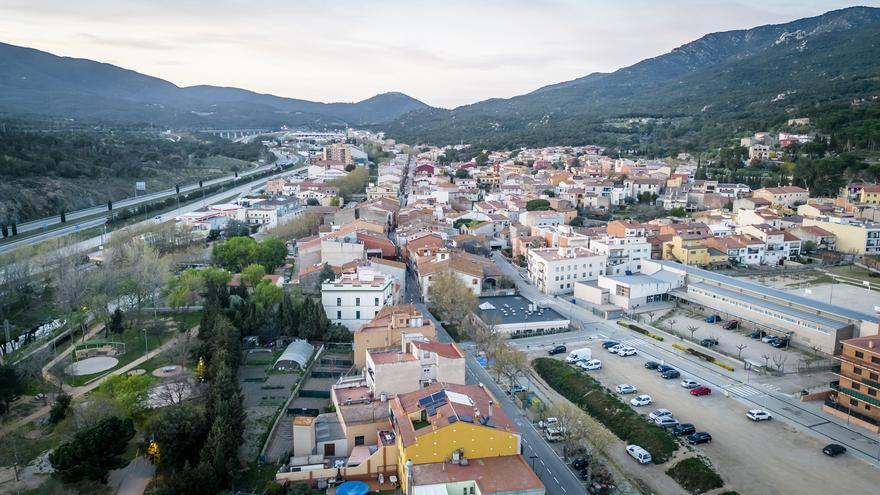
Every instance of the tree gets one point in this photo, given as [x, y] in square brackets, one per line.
[63, 216]
[693, 329]
[267, 295]
[129, 392]
[10, 386]
[474, 245]
[538, 205]
[462, 173]
[236, 228]
[313, 202]
[117, 322]
[59, 409]
[677, 212]
[450, 298]
[510, 363]
[180, 431]
[779, 363]
[740, 348]
[92, 453]
[577, 222]
[809, 247]
[252, 275]
[335, 201]
[355, 182]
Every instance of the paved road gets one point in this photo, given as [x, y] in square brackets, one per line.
[740, 385]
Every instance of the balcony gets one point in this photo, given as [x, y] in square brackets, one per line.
[835, 385]
[842, 408]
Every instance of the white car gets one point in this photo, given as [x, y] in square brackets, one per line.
[627, 351]
[625, 388]
[660, 413]
[688, 383]
[592, 364]
[767, 338]
[547, 422]
[615, 349]
[758, 415]
[641, 400]
[639, 454]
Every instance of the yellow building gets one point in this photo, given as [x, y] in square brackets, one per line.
[870, 194]
[690, 250]
[852, 237]
[445, 422]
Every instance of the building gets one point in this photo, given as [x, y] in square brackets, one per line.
[502, 475]
[850, 236]
[444, 422]
[856, 393]
[388, 328]
[624, 254]
[555, 270]
[516, 316]
[478, 273]
[337, 152]
[628, 291]
[416, 363]
[809, 323]
[787, 196]
[691, 249]
[354, 299]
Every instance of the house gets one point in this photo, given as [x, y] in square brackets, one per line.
[690, 249]
[786, 196]
[354, 299]
[416, 363]
[387, 329]
[476, 272]
[555, 270]
[851, 236]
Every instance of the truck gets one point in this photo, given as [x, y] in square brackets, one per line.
[579, 355]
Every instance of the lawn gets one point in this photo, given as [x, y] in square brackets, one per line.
[588, 394]
[256, 477]
[695, 476]
[855, 272]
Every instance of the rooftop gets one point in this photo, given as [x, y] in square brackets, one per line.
[870, 343]
[509, 473]
[554, 254]
[505, 310]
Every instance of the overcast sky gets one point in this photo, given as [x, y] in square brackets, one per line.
[443, 52]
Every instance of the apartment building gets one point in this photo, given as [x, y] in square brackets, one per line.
[388, 328]
[556, 270]
[851, 236]
[416, 363]
[783, 196]
[856, 392]
[354, 299]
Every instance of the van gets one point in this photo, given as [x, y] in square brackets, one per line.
[554, 434]
[639, 454]
[579, 355]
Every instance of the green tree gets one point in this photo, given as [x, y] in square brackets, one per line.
[267, 295]
[59, 408]
[462, 173]
[10, 386]
[252, 275]
[92, 453]
[129, 392]
[677, 212]
[450, 298]
[180, 431]
[117, 321]
[538, 205]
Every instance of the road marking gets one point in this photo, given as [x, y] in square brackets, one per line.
[563, 489]
[542, 463]
[556, 480]
[743, 390]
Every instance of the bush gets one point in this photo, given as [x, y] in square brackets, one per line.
[695, 476]
[592, 397]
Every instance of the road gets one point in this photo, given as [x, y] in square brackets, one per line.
[96, 241]
[739, 385]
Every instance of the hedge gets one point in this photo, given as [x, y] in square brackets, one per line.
[639, 329]
[598, 402]
[695, 476]
[704, 357]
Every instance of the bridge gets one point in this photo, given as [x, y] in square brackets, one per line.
[235, 133]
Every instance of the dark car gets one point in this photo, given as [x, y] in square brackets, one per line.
[712, 319]
[580, 463]
[557, 350]
[663, 368]
[670, 374]
[779, 343]
[731, 325]
[651, 365]
[757, 334]
[608, 344]
[708, 342]
[699, 437]
[833, 450]
[684, 429]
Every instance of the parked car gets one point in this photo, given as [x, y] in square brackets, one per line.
[627, 351]
[554, 434]
[659, 413]
[712, 319]
[608, 344]
[779, 343]
[757, 334]
[548, 422]
[701, 390]
[699, 437]
[616, 348]
[625, 388]
[515, 389]
[592, 364]
[758, 415]
[670, 374]
[557, 350]
[768, 338]
[641, 400]
[684, 429]
[639, 454]
[833, 450]
[666, 422]
[580, 463]
[663, 368]
[651, 365]
[731, 325]
[688, 383]
[708, 342]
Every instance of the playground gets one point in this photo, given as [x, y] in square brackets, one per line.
[91, 366]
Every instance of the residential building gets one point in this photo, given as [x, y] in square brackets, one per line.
[478, 273]
[555, 270]
[387, 329]
[856, 392]
[691, 249]
[354, 299]
[416, 363]
[787, 196]
[851, 236]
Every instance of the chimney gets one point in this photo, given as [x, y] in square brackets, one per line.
[870, 344]
[490, 408]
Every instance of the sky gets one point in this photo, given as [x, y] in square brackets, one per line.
[446, 53]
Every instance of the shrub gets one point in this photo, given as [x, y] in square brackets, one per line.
[695, 476]
[592, 397]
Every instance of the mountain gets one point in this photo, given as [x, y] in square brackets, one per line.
[36, 82]
[692, 97]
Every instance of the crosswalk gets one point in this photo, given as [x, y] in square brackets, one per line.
[633, 342]
[744, 390]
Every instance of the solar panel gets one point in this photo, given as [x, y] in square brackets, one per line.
[452, 419]
[438, 395]
[425, 401]
[465, 418]
[431, 411]
[440, 402]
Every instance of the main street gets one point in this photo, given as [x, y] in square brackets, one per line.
[739, 385]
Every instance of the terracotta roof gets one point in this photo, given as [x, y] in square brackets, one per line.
[502, 474]
[870, 343]
[447, 350]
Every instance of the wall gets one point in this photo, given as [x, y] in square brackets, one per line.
[383, 460]
[340, 253]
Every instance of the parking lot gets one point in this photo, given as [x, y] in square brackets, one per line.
[746, 454]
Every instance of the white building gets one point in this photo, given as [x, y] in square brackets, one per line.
[354, 298]
[625, 254]
[555, 270]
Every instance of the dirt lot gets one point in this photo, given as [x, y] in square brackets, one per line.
[766, 458]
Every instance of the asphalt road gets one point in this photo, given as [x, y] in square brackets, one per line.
[738, 385]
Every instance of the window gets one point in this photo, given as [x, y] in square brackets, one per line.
[873, 392]
[853, 402]
[860, 354]
[376, 303]
[357, 301]
[875, 359]
[873, 376]
[359, 440]
[339, 301]
[357, 315]
[857, 370]
[339, 315]
[856, 386]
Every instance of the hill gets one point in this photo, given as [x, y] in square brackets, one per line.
[37, 82]
[694, 97]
